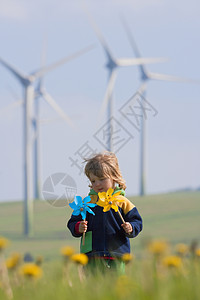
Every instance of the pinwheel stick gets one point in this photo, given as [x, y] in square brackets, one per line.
[121, 216]
[83, 239]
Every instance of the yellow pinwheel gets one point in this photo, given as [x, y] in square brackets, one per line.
[108, 200]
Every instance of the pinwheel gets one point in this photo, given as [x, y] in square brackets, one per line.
[108, 200]
[81, 207]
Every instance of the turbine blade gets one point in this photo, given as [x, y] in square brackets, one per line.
[157, 76]
[142, 88]
[11, 106]
[136, 51]
[21, 77]
[139, 61]
[43, 63]
[98, 34]
[130, 37]
[108, 93]
[47, 121]
[56, 107]
[42, 71]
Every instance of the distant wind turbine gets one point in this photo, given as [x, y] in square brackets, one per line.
[145, 77]
[27, 83]
[40, 92]
[112, 65]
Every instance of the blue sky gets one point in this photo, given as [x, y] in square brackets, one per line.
[161, 29]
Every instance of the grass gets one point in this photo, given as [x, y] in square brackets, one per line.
[174, 217]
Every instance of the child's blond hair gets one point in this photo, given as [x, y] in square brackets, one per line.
[105, 165]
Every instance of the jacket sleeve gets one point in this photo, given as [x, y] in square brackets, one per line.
[131, 215]
[134, 218]
[71, 225]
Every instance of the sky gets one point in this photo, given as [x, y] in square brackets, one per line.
[168, 29]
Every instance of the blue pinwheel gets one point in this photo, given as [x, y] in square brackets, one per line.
[81, 206]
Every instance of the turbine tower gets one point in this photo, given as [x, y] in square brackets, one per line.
[145, 77]
[27, 83]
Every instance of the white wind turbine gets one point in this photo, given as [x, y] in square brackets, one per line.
[27, 83]
[112, 65]
[40, 92]
[145, 77]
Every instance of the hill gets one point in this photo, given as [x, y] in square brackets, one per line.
[174, 217]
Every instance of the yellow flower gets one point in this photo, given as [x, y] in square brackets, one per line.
[67, 251]
[31, 270]
[81, 258]
[3, 243]
[172, 261]
[182, 249]
[158, 247]
[107, 200]
[127, 257]
[13, 261]
[197, 252]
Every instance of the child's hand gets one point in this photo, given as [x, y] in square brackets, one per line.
[127, 227]
[83, 226]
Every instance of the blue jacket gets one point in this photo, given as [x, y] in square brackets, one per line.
[108, 237]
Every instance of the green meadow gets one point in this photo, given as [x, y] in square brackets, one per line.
[174, 217]
[166, 275]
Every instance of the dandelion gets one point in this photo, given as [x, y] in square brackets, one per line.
[172, 261]
[158, 247]
[67, 251]
[81, 258]
[127, 257]
[197, 252]
[13, 261]
[3, 243]
[182, 249]
[31, 270]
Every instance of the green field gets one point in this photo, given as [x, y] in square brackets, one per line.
[174, 217]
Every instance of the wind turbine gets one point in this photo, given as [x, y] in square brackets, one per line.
[112, 65]
[27, 83]
[145, 77]
[40, 92]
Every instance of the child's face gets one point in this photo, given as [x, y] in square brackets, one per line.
[100, 185]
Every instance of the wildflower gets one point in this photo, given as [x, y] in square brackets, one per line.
[81, 258]
[158, 247]
[31, 270]
[67, 251]
[172, 261]
[3, 243]
[13, 261]
[182, 249]
[197, 252]
[108, 200]
[127, 257]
